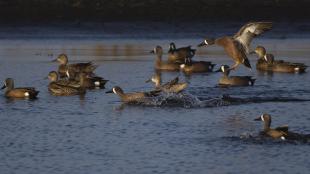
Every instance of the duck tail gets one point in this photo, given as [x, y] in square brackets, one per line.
[252, 81]
[246, 63]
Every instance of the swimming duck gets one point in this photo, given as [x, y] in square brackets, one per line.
[170, 87]
[266, 62]
[64, 87]
[22, 92]
[134, 97]
[92, 82]
[279, 132]
[62, 59]
[191, 66]
[239, 45]
[178, 55]
[53, 77]
[227, 80]
[161, 65]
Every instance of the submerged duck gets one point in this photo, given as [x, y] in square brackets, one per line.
[239, 45]
[64, 87]
[170, 87]
[134, 97]
[161, 65]
[279, 132]
[191, 66]
[22, 92]
[266, 62]
[62, 59]
[178, 55]
[227, 80]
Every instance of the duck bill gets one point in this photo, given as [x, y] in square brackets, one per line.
[258, 119]
[110, 91]
[153, 52]
[149, 80]
[202, 44]
[3, 87]
[55, 60]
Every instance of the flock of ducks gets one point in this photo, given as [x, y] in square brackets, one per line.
[76, 79]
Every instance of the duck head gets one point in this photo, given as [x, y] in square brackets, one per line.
[155, 79]
[207, 42]
[260, 51]
[9, 84]
[116, 90]
[62, 59]
[224, 69]
[266, 118]
[172, 47]
[52, 76]
[158, 50]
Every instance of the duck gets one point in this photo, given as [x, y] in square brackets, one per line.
[281, 132]
[238, 46]
[133, 97]
[227, 80]
[266, 62]
[21, 92]
[62, 59]
[53, 77]
[162, 65]
[178, 55]
[191, 66]
[172, 86]
[64, 87]
[92, 82]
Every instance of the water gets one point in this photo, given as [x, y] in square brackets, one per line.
[97, 134]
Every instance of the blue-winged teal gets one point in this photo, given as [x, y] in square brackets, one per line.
[62, 59]
[239, 45]
[53, 77]
[63, 87]
[178, 55]
[22, 92]
[191, 66]
[92, 82]
[266, 62]
[163, 65]
[279, 132]
[170, 87]
[227, 80]
[134, 97]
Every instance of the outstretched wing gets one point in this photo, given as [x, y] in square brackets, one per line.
[251, 30]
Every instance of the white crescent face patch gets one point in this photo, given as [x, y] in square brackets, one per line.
[114, 91]
[206, 42]
[262, 117]
[67, 73]
[223, 68]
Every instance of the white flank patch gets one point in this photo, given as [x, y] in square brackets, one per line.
[296, 69]
[26, 94]
[283, 138]
[182, 66]
[97, 83]
[262, 117]
[206, 42]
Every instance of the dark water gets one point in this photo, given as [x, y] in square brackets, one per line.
[95, 134]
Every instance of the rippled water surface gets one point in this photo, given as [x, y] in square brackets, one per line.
[97, 134]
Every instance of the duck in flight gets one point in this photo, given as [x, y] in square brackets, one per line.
[238, 46]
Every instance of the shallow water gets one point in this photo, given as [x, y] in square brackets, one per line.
[96, 134]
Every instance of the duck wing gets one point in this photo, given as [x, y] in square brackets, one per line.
[283, 128]
[251, 30]
[153, 93]
[171, 83]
